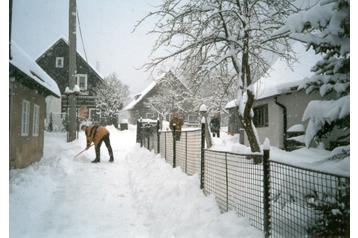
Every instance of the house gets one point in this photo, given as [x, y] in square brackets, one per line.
[279, 106]
[55, 62]
[159, 98]
[28, 87]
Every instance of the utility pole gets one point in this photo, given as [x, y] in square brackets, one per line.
[72, 71]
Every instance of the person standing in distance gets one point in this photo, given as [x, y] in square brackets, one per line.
[97, 135]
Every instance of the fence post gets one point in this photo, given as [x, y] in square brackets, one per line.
[174, 146]
[158, 136]
[202, 153]
[266, 168]
[186, 152]
[227, 184]
[148, 143]
[165, 145]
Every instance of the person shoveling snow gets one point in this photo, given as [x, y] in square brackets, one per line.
[98, 134]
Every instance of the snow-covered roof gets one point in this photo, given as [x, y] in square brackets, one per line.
[282, 79]
[231, 104]
[139, 97]
[22, 61]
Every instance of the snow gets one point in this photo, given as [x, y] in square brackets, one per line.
[76, 89]
[296, 128]
[139, 195]
[203, 108]
[309, 158]
[142, 95]
[124, 121]
[319, 112]
[231, 104]
[22, 61]
[282, 78]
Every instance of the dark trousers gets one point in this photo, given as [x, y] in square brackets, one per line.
[217, 133]
[108, 144]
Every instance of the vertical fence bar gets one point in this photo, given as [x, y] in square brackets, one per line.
[266, 183]
[202, 153]
[186, 152]
[174, 147]
[165, 145]
[227, 184]
[158, 136]
[148, 143]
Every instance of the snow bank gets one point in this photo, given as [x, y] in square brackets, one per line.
[310, 158]
[139, 195]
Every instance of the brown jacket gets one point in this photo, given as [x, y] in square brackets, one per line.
[178, 123]
[95, 134]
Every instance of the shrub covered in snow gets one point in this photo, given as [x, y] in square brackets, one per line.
[325, 28]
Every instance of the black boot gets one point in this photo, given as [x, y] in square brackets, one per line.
[111, 159]
[96, 160]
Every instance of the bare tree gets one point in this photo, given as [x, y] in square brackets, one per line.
[172, 94]
[201, 35]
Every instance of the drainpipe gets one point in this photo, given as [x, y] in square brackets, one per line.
[10, 25]
[284, 110]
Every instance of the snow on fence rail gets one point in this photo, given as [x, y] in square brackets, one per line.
[280, 199]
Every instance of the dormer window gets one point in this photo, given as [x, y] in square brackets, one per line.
[59, 62]
[82, 81]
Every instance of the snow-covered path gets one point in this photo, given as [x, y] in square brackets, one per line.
[139, 195]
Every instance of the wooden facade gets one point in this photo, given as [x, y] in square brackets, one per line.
[55, 62]
[28, 87]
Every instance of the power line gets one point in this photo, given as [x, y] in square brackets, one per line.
[79, 25]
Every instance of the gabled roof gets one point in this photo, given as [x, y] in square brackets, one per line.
[280, 78]
[139, 97]
[23, 62]
[78, 55]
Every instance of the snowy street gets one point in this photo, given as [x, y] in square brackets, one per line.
[139, 195]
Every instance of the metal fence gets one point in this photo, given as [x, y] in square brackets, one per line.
[236, 182]
[187, 150]
[299, 198]
[278, 198]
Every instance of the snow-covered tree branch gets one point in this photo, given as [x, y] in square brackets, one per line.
[325, 27]
[112, 94]
[215, 32]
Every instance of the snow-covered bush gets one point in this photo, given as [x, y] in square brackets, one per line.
[112, 94]
[335, 218]
[325, 27]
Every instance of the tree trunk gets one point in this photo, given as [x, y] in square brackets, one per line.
[248, 124]
[246, 119]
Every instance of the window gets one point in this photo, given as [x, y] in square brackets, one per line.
[149, 115]
[82, 81]
[261, 116]
[192, 118]
[92, 114]
[25, 118]
[59, 62]
[36, 120]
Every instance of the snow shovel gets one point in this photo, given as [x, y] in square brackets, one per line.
[81, 152]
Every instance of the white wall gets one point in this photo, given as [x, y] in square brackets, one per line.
[295, 104]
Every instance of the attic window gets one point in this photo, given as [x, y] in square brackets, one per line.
[59, 62]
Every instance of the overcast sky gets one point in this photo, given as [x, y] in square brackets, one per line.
[106, 27]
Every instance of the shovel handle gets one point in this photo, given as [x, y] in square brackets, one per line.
[82, 151]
